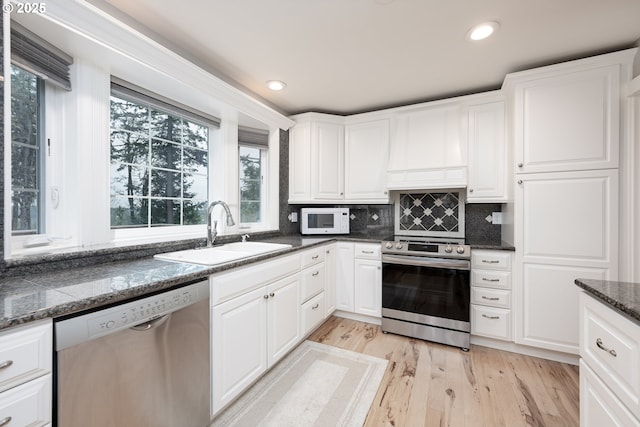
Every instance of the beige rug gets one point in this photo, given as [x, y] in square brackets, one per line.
[315, 385]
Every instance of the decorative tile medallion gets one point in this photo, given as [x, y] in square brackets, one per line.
[429, 212]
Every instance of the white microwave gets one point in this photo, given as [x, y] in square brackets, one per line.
[324, 221]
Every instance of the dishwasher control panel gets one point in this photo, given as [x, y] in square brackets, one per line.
[85, 327]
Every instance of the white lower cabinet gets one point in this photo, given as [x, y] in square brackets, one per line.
[368, 287]
[609, 366]
[359, 278]
[252, 331]
[491, 294]
[28, 404]
[25, 375]
[344, 277]
[330, 268]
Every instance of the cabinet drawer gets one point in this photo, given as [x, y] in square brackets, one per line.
[491, 322]
[25, 353]
[312, 281]
[28, 404]
[367, 251]
[598, 406]
[491, 279]
[492, 260]
[491, 297]
[313, 256]
[610, 345]
[312, 313]
[228, 285]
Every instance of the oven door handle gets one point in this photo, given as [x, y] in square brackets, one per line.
[420, 261]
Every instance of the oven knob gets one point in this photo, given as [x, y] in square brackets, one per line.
[389, 245]
[448, 249]
[398, 245]
[460, 249]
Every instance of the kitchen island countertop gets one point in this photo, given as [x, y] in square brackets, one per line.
[621, 296]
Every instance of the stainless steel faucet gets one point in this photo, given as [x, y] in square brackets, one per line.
[212, 232]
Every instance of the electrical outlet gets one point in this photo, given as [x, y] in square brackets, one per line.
[293, 217]
[496, 218]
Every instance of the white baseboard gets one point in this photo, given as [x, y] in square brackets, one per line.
[572, 359]
[358, 317]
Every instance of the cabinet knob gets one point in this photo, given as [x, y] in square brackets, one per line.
[520, 165]
[342, 194]
[519, 181]
[386, 192]
[471, 190]
[272, 294]
[266, 297]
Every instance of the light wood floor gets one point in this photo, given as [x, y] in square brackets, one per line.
[428, 384]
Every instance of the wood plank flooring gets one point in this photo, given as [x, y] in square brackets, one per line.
[428, 384]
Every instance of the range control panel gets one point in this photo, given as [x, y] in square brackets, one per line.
[85, 327]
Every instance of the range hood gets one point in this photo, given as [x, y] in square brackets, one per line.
[427, 149]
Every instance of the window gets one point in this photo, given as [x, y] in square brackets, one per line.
[252, 149]
[159, 165]
[27, 103]
[251, 176]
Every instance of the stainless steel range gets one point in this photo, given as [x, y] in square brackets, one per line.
[426, 289]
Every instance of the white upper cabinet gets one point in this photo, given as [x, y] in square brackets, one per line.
[487, 154]
[428, 149]
[300, 163]
[325, 168]
[366, 157]
[327, 161]
[568, 121]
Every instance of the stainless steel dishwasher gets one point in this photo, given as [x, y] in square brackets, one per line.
[141, 363]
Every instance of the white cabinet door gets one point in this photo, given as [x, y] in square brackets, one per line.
[28, 404]
[238, 345]
[330, 268]
[368, 287]
[327, 161]
[567, 228]
[283, 310]
[569, 121]
[300, 162]
[366, 158]
[487, 154]
[344, 277]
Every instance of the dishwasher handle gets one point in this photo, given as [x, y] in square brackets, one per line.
[151, 324]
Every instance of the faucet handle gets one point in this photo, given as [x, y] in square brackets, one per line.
[245, 237]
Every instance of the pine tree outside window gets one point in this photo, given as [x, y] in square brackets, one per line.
[159, 166]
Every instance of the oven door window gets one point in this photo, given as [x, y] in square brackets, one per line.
[321, 221]
[438, 292]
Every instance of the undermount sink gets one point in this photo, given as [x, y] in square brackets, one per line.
[223, 253]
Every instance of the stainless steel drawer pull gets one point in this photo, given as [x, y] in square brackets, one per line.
[315, 257]
[490, 298]
[367, 252]
[316, 273]
[490, 261]
[6, 365]
[5, 421]
[484, 279]
[603, 348]
[491, 317]
[272, 295]
[315, 306]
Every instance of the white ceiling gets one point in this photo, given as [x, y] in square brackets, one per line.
[348, 56]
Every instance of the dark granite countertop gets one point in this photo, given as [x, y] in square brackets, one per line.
[66, 291]
[496, 247]
[621, 296]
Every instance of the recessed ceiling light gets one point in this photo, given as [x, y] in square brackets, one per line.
[276, 85]
[482, 31]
